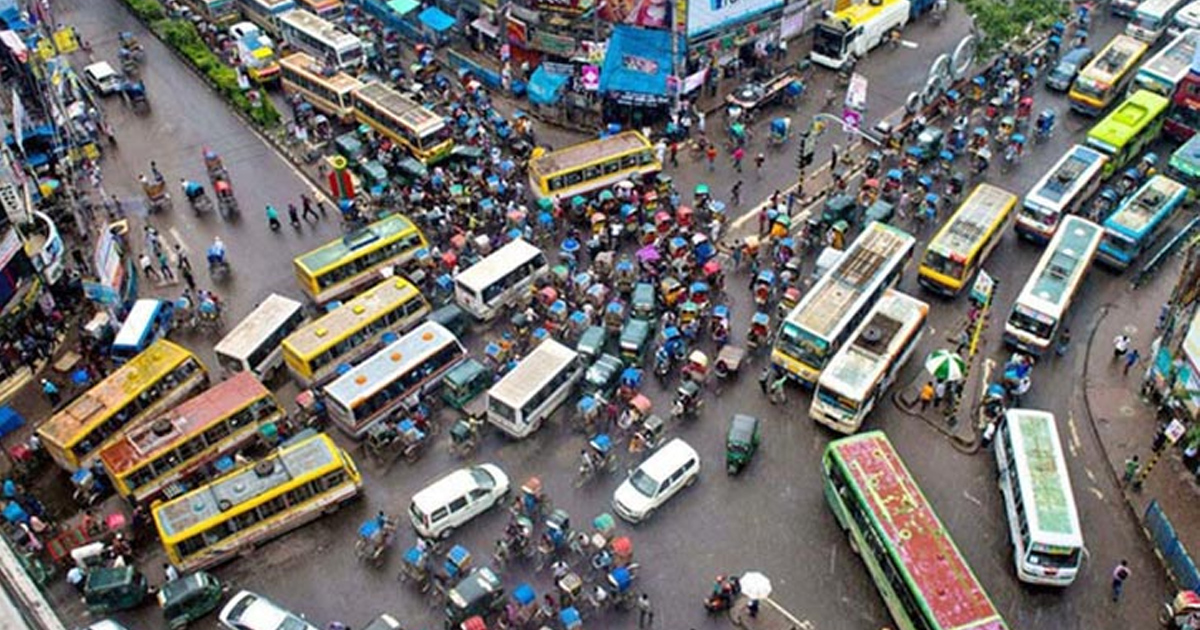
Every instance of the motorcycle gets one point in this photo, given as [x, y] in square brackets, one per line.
[725, 591]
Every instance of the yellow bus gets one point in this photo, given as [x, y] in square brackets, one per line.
[341, 268]
[146, 386]
[424, 133]
[257, 502]
[959, 249]
[1103, 80]
[301, 74]
[353, 330]
[589, 166]
[184, 448]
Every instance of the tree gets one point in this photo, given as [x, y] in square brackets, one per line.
[998, 22]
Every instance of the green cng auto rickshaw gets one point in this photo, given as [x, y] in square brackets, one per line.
[634, 339]
[741, 442]
[645, 304]
[111, 589]
[601, 377]
[592, 342]
[189, 598]
[464, 382]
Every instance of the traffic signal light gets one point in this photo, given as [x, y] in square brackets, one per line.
[804, 154]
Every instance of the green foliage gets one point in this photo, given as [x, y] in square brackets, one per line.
[1000, 22]
[148, 10]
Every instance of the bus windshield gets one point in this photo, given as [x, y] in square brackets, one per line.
[827, 41]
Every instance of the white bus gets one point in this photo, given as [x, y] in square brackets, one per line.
[331, 45]
[491, 284]
[1151, 19]
[1043, 303]
[1186, 18]
[823, 321]
[148, 321]
[1044, 526]
[861, 372]
[1064, 190]
[399, 374]
[254, 344]
[533, 390]
[1163, 73]
[265, 13]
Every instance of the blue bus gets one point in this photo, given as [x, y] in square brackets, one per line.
[1138, 221]
[148, 321]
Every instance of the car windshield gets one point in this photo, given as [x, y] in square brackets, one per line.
[643, 483]
[292, 623]
[482, 478]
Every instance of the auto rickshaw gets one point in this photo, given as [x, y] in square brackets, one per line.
[592, 342]
[599, 223]
[764, 287]
[760, 330]
[789, 300]
[189, 598]
[839, 207]
[635, 337]
[624, 275]
[464, 433]
[464, 382]
[614, 315]
[479, 593]
[700, 293]
[643, 302]
[1004, 130]
[741, 442]
[718, 324]
[601, 377]
[1181, 613]
[881, 211]
[697, 367]
[108, 590]
[687, 400]
[729, 361]
[672, 291]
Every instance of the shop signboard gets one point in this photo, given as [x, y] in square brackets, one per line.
[552, 44]
[517, 32]
[589, 78]
[708, 15]
[570, 7]
[643, 13]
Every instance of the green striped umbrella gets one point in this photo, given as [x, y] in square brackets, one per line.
[945, 365]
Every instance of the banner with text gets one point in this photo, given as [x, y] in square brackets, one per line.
[706, 15]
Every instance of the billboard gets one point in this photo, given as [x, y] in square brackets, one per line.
[643, 13]
[706, 15]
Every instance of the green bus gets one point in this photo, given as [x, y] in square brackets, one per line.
[1125, 132]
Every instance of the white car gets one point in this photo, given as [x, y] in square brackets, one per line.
[240, 30]
[672, 467]
[103, 78]
[248, 611]
[452, 501]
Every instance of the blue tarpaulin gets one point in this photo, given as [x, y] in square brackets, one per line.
[10, 420]
[637, 65]
[436, 19]
[545, 88]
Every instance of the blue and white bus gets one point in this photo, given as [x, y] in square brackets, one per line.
[1138, 222]
[265, 13]
[1062, 191]
[148, 321]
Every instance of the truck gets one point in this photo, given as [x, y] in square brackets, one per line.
[841, 38]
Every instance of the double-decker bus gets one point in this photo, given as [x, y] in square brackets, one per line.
[265, 13]
[860, 373]
[486, 287]
[919, 571]
[1042, 521]
[294, 485]
[353, 330]
[960, 248]
[343, 267]
[395, 376]
[824, 320]
[583, 168]
[420, 130]
[533, 390]
[1128, 129]
[1139, 221]
[300, 74]
[1102, 81]
[1043, 304]
[144, 387]
[1064, 190]
[1163, 73]
[323, 40]
[185, 447]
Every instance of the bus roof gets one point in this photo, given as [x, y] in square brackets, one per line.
[321, 28]
[272, 4]
[365, 306]
[901, 512]
[267, 316]
[1042, 472]
[304, 63]
[823, 308]
[1061, 183]
[1128, 119]
[152, 363]
[576, 155]
[378, 371]
[1174, 61]
[1071, 249]
[408, 112]
[523, 382]
[1186, 159]
[297, 462]
[334, 251]
[1146, 207]
[1120, 53]
[862, 12]
[139, 321]
[497, 264]
[961, 236]
[860, 364]
[219, 401]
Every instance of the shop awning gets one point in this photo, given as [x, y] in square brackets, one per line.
[436, 19]
[403, 7]
[545, 88]
[637, 65]
[485, 26]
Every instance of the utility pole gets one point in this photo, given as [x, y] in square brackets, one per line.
[804, 159]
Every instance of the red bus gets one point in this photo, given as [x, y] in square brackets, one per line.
[1183, 119]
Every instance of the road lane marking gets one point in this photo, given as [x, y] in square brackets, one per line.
[972, 499]
[1074, 444]
[832, 559]
[174, 232]
[1096, 491]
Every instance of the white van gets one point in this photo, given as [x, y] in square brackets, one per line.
[657, 479]
[452, 501]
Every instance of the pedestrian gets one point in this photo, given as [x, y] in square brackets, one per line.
[158, 176]
[700, 116]
[293, 215]
[737, 193]
[51, 392]
[759, 160]
[164, 266]
[711, 154]
[147, 267]
[739, 154]
[1132, 465]
[186, 272]
[645, 612]
[1064, 340]
[926, 395]
[964, 341]
[1131, 359]
[778, 393]
[181, 259]
[1119, 575]
[833, 158]
[1120, 346]
[170, 572]
[76, 578]
[939, 392]
[675, 155]
[321, 207]
[308, 208]
[989, 434]
[752, 608]
[1163, 314]
[763, 378]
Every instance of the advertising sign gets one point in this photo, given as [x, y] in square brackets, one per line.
[550, 43]
[706, 15]
[643, 13]
[517, 32]
[573, 7]
[589, 78]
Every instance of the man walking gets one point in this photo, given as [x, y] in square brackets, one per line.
[1132, 465]
[1131, 359]
[833, 158]
[738, 155]
[1120, 346]
[645, 612]
[1119, 575]
[51, 392]
[737, 193]
[308, 208]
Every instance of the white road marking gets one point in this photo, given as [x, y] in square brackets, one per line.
[972, 499]
[1096, 491]
[174, 231]
[1091, 475]
[1074, 443]
[832, 559]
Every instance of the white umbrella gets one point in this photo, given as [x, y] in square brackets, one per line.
[945, 365]
[756, 585]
